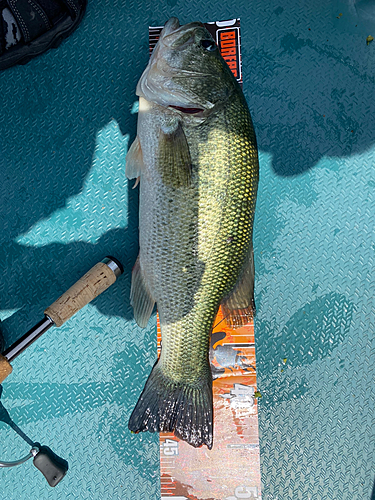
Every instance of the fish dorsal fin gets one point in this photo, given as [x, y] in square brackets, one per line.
[140, 296]
[134, 160]
[239, 306]
[174, 155]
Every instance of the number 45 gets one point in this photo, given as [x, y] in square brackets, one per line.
[170, 447]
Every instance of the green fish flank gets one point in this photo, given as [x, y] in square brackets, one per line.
[198, 184]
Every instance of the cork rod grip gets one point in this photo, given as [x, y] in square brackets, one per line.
[92, 284]
[5, 368]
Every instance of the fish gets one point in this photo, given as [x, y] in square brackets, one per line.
[196, 159]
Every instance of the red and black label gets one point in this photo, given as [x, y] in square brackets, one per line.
[227, 35]
[228, 42]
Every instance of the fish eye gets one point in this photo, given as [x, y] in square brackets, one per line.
[209, 45]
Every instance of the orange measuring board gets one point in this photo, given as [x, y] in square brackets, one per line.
[231, 470]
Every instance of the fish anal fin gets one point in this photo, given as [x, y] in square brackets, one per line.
[140, 296]
[174, 157]
[239, 306]
[134, 160]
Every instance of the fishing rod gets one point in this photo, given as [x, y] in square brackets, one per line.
[93, 283]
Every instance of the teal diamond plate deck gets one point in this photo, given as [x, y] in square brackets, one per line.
[66, 123]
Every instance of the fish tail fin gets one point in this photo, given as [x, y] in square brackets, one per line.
[168, 406]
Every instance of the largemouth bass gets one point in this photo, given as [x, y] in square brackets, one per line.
[196, 157]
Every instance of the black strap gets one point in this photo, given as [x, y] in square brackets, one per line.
[73, 6]
[2, 37]
[31, 18]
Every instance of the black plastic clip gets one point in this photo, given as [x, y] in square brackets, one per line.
[50, 465]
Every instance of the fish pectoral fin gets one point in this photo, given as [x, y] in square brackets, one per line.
[174, 157]
[140, 296]
[239, 306]
[134, 160]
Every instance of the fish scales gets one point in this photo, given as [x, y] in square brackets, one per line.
[224, 195]
[195, 240]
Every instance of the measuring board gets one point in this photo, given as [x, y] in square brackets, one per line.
[231, 470]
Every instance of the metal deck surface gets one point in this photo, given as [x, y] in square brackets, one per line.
[67, 119]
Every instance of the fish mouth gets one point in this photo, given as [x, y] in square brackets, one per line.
[171, 25]
[163, 83]
[172, 32]
[187, 111]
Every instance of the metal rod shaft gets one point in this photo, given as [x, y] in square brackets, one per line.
[21, 344]
[34, 451]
